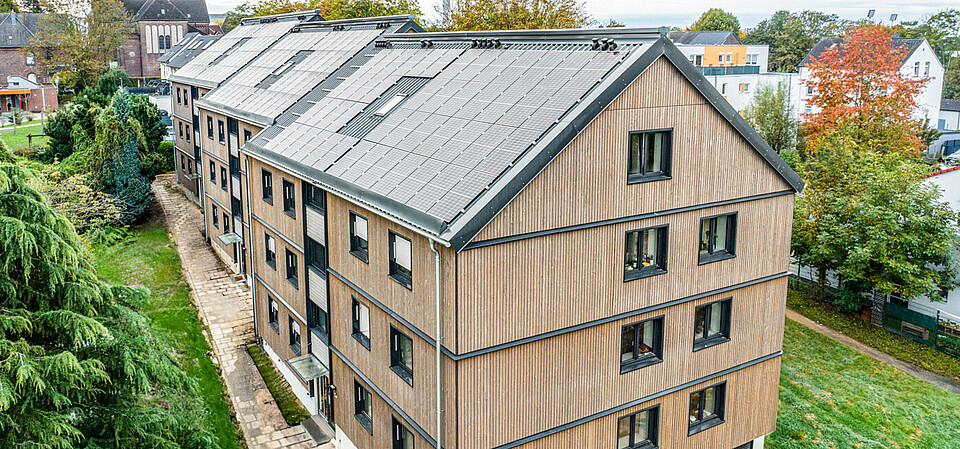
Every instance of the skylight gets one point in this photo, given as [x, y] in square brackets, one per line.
[389, 105]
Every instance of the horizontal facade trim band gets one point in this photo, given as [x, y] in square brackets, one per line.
[185, 119]
[636, 402]
[595, 224]
[222, 207]
[276, 295]
[396, 408]
[273, 230]
[392, 314]
[215, 157]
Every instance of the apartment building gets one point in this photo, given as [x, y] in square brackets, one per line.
[498, 239]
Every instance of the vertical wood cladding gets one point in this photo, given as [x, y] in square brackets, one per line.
[180, 157]
[416, 305]
[279, 338]
[291, 227]
[751, 411]
[587, 182]
[276, 278]
[581, 370]
[527, 287]
[183, 109]
[417, 400]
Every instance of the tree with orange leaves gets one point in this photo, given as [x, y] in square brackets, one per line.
[859, 89]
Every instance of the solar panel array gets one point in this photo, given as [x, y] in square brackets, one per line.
[448, 141]
[292, 66]
[232, 51]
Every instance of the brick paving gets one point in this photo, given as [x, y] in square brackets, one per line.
[226, 308]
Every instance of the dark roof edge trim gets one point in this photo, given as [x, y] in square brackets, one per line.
[419, 222]
[287, 15]
[503, 190]
[701, 83]
[361, 20]
[193, 82]
[578, 33]
[248, 117]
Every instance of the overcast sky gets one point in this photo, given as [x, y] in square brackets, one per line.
[681, 13]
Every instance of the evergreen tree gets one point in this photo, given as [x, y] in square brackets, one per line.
[79, 368]
[120, 137]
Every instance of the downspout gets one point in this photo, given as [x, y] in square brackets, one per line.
[253, 260]
[437, 282]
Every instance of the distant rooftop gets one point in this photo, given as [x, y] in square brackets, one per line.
[705, 38]
[828, 42]
[188, 48]
[191, 11]
[950, 105]
[16, 29]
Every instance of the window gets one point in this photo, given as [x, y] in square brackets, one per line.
[291, 267]
[178, 95]
[729, 57]
[160, 43]
[358, 236]
[190, 167]
[808, 109]
[646, 253]
[316, 255]
[723, 89]
[363, 406]
[168, 42]
[313, 197]
[916, 68]
[220, 136]
[213, 172]
[720, 58]
[641, 344]
[746, 88]
[181, 129]
[639, 430]
[289, 199]
[748, 445]
[223, 178]
[271, 253]
[402, 438]
[717, 238]
[389, 105]
[401, 355]
[926, 68]
[711, 324]
[210, 127]
[649, 156]
[226, 223]
[753, 59]
[246, 135]
[31, 59]
[706, 408]
[183, 163]
[400, 255]
[266, 181]
[809, 90]
[317, 318]
[273, 316]
[361, 323]
[188, 133]
[216, 217]
[294, 335]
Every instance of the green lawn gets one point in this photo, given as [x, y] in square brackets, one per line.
[149, 258]
[834, 397]
[17, 142]
[903, 348]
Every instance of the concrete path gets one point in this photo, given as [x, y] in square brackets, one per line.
[226, 307]
[922, 374]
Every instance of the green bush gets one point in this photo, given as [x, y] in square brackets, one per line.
[159, 161]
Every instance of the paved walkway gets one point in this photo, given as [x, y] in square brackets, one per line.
[226, 307]
[924, 375]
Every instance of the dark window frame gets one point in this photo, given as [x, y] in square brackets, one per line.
[702, 424]
[273, 316]
[363, 406]
[247, 135]
[295, 334]
[316, 255]
[703, 341]
[223, 178]
[188, 134]
[356, 329]
[270, 257]
[226, 223]
[213, 172]
[400, 433]
[397, 272]
[314, 198]
[666, 157]
[178, 96]
[180, 128]
[210, 127]
[216, 217]
[318, 320]
[289, 202]
[361, 252]
[292, 272]
[221, 133]
[653, 429]
[660, 267]
[714, 255]
[397, 365]
[653, 357]
[266, 184]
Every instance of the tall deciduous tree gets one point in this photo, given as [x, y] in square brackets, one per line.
[80, 38]
[769, 113]
[716, 19]
[9, 5]
[329, 9]
[859, 89]
[470, 15]
[79, 368]
[872, 219]
[790, 36]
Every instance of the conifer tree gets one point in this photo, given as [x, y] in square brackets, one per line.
[79, 368]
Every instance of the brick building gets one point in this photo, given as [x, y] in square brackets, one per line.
[158, 26]
[16, 29]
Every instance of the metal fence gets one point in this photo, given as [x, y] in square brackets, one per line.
[731, 70]
[942, 331]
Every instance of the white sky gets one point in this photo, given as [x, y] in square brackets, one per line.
[681, 13]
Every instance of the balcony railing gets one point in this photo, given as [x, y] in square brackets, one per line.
[730, 70]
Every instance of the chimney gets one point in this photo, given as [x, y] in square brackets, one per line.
[13, 17]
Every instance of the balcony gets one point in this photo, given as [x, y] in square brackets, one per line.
[730, 70]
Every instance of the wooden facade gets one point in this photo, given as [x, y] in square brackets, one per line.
[533, 309]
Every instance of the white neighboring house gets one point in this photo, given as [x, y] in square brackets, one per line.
[921, 62]
[949, 115]
[949, 301]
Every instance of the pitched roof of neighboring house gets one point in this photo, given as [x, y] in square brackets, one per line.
[188, 48]
[441, 130]
[950, 105]
[205, 28]
[828, 42]
[705, 38]
[16, 29]
[949, 181]
[192, 11]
